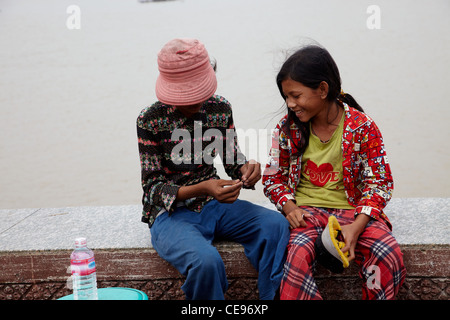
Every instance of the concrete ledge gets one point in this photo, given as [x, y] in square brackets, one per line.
[35, 246]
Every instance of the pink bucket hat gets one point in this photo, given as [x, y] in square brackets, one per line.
[186, 76]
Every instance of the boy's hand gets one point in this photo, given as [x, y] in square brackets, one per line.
[225, 191]
[251, 173]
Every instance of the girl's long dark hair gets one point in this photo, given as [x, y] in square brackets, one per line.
[310, 66]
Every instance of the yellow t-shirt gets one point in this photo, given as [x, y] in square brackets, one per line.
[321, 182]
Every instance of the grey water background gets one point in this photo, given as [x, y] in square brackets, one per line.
[69, 98]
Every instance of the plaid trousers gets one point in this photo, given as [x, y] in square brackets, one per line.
[377, 254]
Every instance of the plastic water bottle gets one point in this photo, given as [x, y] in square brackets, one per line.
[82, 263]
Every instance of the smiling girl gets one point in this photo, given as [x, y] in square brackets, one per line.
[328, 159]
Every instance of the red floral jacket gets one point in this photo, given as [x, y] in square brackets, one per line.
[367, 175]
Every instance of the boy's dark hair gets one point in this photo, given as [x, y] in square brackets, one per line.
[310, 66]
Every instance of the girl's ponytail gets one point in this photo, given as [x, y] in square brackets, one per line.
[348, 99]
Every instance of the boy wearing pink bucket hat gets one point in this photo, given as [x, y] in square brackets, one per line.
[185, 203]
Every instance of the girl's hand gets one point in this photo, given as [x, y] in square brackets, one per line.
[351, 234]
[295, 215]
[225, 191]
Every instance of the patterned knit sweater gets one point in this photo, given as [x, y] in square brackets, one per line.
[177, 151]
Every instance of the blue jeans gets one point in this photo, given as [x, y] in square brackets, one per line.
[184, 239]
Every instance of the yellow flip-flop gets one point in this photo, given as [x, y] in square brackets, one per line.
[328, 248]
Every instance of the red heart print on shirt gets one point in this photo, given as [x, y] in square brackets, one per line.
[319, 176]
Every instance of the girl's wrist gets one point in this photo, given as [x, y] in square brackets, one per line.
[289, 206]
[360, 222]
